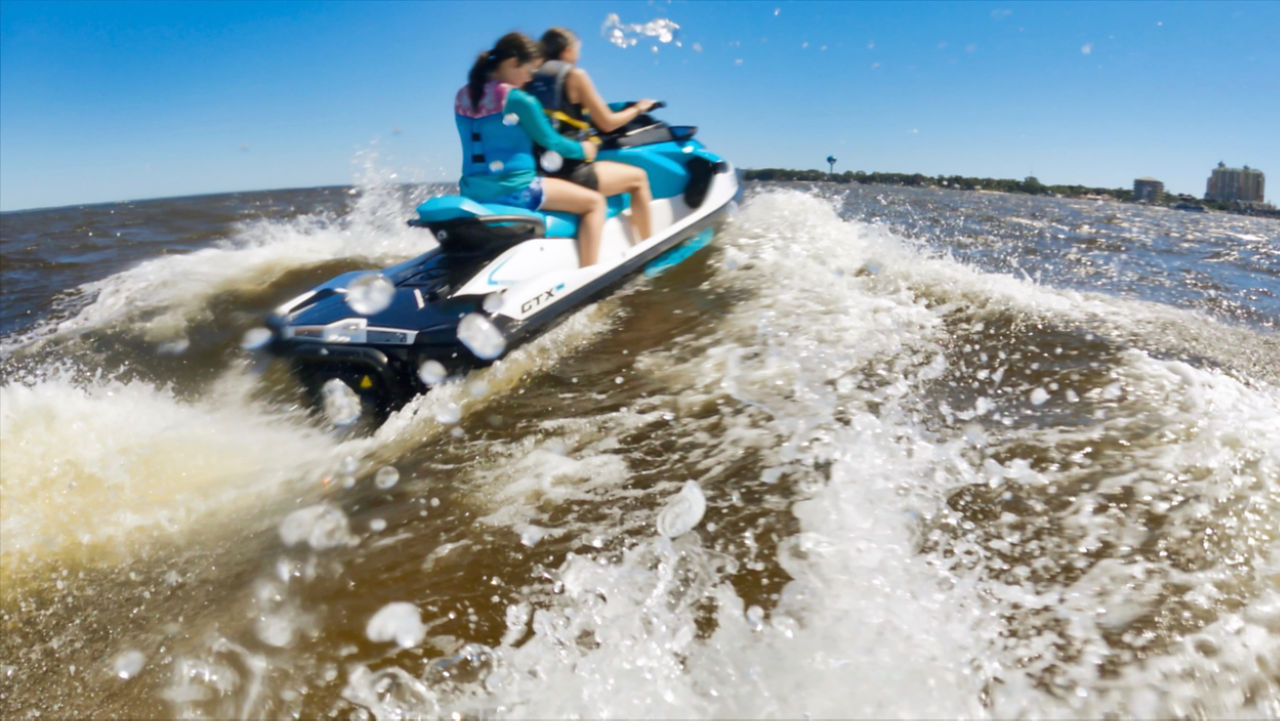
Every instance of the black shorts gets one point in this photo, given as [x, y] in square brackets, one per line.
[579, 173]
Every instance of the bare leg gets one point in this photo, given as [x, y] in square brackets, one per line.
[560, 194]
[618, 178]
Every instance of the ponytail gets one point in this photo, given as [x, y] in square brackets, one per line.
[511, 45]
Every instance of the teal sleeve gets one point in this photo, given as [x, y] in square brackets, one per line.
[535, 123]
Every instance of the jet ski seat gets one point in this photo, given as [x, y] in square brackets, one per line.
[467, 222]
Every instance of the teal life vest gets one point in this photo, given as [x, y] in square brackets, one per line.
[493, 143]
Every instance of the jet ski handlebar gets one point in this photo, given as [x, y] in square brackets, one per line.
[616, 106]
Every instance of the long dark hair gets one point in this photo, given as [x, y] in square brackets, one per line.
[511, 45]
[555, 41]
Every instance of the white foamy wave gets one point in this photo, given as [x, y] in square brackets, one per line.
[869, 616]
[886, 628]
[1214, 452]
[95, 468]
[624, 638]
[1209, 469]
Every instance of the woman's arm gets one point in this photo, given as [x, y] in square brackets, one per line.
[605, 120]
[534, 122]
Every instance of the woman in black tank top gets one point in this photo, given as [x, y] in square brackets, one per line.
[578, 94]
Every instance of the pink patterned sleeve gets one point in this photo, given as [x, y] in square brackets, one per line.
[492, 101]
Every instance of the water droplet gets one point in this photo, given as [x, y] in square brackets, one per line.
[683, 511]
[378, 525]
[128, 663]
[1039, 396]
[496, 166]
[174, 347]
[341, 404]
[510, 119]
[530, 535]
[255, 338]
[320, 526]
[386, 477]
[275, 630]
[398, 621]
[448, 413]
[350, 464]
[481, 336]
[551, 161]
[432, 372]
[493, 302]
[518, 616]
[370, 293]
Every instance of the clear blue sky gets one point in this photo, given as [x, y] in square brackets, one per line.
[108, 101]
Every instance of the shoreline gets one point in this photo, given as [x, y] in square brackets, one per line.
[1027, 186]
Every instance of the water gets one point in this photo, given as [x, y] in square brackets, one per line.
[873, 452]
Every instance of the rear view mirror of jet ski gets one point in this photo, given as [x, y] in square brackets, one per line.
[498, 276]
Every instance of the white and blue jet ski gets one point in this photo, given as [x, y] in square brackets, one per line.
[498, 276]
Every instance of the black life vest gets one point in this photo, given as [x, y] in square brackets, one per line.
[549, 87]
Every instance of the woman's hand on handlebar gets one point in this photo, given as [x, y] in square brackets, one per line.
[588, 151]
[645, 105]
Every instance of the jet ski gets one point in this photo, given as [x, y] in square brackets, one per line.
[497, 276]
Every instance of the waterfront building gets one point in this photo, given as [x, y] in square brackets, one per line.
[1244, 184]
[1148, 190]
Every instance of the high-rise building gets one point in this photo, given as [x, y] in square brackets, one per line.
[1245, 184]
[1148, 190]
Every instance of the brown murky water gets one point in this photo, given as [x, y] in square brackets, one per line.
[949, 454]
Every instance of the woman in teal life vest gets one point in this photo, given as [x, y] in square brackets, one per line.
[498, 124]
[567, 92]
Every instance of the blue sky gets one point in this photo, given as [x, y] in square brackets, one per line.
[104, 101]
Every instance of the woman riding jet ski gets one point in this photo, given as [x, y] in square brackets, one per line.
[577, 111]
[503, 270]
[498, 124]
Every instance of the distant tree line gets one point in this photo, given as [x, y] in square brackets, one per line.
[1029, 185]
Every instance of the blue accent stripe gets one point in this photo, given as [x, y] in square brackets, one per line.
[679, 253]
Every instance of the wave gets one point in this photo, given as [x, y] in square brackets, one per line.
[162, 298]
[96, 469]
[929, 490]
